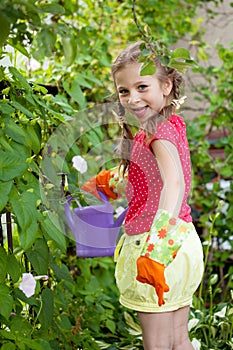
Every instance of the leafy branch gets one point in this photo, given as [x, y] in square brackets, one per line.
[151, 48]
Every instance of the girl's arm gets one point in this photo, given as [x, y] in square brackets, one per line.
[167, 232]
[172, 175]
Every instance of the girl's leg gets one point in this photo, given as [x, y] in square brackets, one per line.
[157, 330]
[181, 339]
[166, 330]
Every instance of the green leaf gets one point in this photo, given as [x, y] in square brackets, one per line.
[11, 165]
[38, 256]
[5, 188]
[21, 296]
[24, 207]
[3, 264]
[54, 233]
[62, 272]
[22, 109]
[6, 335]
[4, 28]
[65, 322]
[5, 108]
[93, 138]
[53, 8]
[33, 137]
[47, 108]
[81, 78]
[75, 91]
[93, 79]
[8, 346]
[39, 88]
[14, 131]
[47, 310]
[70, 49]
[32, 344]
[13, 267]
[18, 77]
[6, 301]
[21, 325]
[46, 39]
[111, 326]
[181, 53]
[148, 68]
[28, 236]
[19, 47]
[179, 65]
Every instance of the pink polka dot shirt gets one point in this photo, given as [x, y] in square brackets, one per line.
[144, 180]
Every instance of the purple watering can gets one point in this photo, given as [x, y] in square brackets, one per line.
[94, 228]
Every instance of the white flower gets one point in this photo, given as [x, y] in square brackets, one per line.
[28, 283]
[222, 312]
[79, 164]
[196, 344]
[192, 323]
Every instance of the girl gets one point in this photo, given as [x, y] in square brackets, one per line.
[160, 263]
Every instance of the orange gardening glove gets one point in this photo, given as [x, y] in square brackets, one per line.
[163, 242]
[152, 272]
[101, 182]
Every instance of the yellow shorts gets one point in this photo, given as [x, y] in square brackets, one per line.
[183, 275]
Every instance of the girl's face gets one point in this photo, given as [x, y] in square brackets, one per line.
[141, 95]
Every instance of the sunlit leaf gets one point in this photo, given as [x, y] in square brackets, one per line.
[19, 77]
[148, 68]
[69, 48]
[181, 53]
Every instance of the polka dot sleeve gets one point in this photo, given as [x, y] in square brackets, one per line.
[173, 130]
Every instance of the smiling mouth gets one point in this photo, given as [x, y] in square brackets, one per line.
[139, 111]
[138, 108]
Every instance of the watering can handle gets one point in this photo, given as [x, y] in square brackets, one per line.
[68, 212]
[120, 218]
[103, 196]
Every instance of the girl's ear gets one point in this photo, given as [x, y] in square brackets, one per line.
[167, 87]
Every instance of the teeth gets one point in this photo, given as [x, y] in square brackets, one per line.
[139, 109]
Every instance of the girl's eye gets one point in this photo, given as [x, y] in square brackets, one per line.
[123, 91]
[142, 87]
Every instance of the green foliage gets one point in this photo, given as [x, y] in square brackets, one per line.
[60, 54]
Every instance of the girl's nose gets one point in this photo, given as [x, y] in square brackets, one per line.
[133, 98]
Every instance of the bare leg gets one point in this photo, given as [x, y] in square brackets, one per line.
[166, 330]
[181, 339]
[157, 330]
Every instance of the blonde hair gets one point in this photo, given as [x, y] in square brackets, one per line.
[131, 55]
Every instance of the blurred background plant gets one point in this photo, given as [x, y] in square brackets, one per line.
[55, 65]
